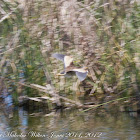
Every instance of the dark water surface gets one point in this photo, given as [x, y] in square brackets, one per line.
[65, 125]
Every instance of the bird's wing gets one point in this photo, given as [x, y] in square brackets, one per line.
[81, 75]
[67, 60]
[58, 56]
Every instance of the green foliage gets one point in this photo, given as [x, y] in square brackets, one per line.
[108, 43]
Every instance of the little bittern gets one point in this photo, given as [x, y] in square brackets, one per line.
[69, 67]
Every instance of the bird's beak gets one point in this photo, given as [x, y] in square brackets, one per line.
[59, 74]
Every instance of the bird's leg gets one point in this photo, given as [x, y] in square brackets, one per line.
[89, 75]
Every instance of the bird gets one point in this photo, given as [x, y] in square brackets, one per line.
[69, 67]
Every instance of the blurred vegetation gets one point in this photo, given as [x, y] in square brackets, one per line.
[101, 34]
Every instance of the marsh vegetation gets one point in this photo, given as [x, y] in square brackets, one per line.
[100, 34]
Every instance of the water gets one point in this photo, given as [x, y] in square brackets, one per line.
[65, 125]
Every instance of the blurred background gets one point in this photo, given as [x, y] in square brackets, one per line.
[103, 35]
